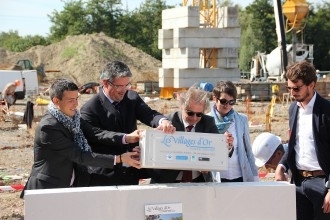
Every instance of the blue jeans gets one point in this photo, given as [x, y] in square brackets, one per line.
[310, 193]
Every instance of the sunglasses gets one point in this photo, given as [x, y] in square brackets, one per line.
[295, 89]
[191, 113]
[225, 101]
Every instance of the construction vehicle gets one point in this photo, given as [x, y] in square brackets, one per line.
[268, 67]
[26, 64]
[296, 12]
[271, 67]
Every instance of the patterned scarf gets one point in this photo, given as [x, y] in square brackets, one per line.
[72, 124]
[222, 123]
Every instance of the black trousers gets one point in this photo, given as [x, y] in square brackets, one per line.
[239, 179]
[310, 193]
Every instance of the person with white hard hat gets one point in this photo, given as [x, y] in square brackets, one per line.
[268, 150]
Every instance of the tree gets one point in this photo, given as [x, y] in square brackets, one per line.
[317, 32]
[140, 27]
[263, 25]
[73, 20]
[13, 42]
[103, 16]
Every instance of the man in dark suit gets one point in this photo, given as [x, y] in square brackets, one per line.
[60, 146]
[190, 118]
[117, 108]
[308, 155]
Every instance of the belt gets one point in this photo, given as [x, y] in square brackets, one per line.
[315, 173]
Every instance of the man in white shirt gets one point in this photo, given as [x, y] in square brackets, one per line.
[308, 155]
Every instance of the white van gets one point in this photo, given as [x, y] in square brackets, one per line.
[31, 82]
[28, 78]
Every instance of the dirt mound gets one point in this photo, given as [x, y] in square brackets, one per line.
[80, 58]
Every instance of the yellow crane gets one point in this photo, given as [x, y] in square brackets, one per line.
[208, 17]
[296, 12]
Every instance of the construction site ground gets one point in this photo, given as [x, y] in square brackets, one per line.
[16, 144]
[81, 58]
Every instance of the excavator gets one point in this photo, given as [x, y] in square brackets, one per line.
[25, 64]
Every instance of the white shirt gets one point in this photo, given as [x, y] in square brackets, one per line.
[234, 168]
[306, 158]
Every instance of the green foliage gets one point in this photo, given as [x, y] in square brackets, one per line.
[317, 32]
[71, 21]
[71, 51]
[263, 24]
[140, 28]
[13, 42]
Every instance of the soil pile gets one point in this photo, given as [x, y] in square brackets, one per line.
[81, 58]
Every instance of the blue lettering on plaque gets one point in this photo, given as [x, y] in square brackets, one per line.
[180, 157]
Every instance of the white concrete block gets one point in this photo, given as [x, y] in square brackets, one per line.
[179, 12]
[182, 78]
[215, 73]
[227, 17]
[165, 38]
[227, 62]
[165, 77]
[165, 33]
[187, 82]
[206, 42]
[181, 53]
[207, 201]
[227, 52]
[165, 43]
[179, 23]
[180, 17]
[180, 63]
[162, 72]
[166, 82]
[206, 32]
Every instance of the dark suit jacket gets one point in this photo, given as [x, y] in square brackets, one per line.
[205, 125]
[99, 112]
[321, 133]
[56, 154]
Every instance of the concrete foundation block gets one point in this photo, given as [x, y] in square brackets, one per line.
[227, 62]
[181, 53]
[207, 32]
[180, 63]
[207, 201]
[206, 42]
[227, 17]
[180, 17]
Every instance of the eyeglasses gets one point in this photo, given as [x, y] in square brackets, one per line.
[191, 113]
[120, 87]
[295, 89]
[225, 101]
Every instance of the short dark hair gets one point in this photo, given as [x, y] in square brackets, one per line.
[227, 87]
[59, 86]
[304, 71]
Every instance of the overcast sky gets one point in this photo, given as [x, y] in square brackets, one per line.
[29, 17]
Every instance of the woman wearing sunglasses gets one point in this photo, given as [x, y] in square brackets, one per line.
[241, 166]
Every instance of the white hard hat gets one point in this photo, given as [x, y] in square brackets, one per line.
[264, 146]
